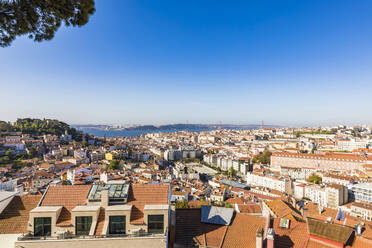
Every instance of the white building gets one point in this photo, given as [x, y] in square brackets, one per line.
[316, 194]
[280, 184]
[362, 192]
[361, 210]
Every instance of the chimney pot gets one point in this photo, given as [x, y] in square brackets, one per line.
[270, 237]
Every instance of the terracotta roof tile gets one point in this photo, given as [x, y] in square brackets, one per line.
[68, 196]
[140, 194]
[100, 222]
[242, 231]
[294, 236]
[15, 216]
[252, 208]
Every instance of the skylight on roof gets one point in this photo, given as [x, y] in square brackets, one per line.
[116, 192]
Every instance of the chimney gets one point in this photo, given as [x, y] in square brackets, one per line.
[104, 198]
[259, 238]
[268, 223]
[270, 238]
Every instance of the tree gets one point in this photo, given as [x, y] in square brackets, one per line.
[40, 19]
[6, 127]
[223, 204]
[314, 178]
[9, 154]
[263, 158]
[32, 152]
[114, 165]
[182, 204]
[232, 172]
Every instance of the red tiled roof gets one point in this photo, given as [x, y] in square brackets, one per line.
[15, 216]
[242, 232]
[68, 196]
[100, 222]
[295, 236]
[139, 195]
[253, 208]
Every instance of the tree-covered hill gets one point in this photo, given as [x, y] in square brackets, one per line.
[38, 127]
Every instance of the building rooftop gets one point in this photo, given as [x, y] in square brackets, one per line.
[216, 215]
[116, 191]
[68, 196]
[335, 232]
[14, 218]
[140, 195]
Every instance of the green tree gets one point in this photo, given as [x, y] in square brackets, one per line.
[232, 172]
[314, 178]
[114, 165]
[182, 204]
[9, 154]
[223, 204]
[32, 152]
[263, 158]
[40, 19]
[6, 127]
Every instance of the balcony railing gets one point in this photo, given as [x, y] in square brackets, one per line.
[66, 236]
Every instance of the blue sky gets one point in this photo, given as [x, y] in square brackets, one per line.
[157, 62]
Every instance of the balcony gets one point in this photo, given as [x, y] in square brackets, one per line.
[140, 239]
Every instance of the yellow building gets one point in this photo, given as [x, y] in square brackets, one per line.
[109, 156]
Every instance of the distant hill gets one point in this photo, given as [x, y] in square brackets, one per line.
[38, 127]
[173, 127]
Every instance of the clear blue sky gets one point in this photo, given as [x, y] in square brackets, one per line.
[284, 62]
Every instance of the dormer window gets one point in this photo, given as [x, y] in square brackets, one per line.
[155, 223]
[42, 226]
[83, 224]
[117, 225]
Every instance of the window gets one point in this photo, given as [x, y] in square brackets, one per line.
[156, 223]
[42, 226]
[117, 225]
[83, 224]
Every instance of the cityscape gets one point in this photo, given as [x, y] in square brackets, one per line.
[281, 187]
[177, 124]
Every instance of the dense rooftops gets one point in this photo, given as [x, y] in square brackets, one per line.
[326, 156]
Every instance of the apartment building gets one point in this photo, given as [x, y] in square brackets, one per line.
[316, 194]
[297, 173]
[271, 182]
[352, 144]
[299, 190]
[362, 192]
[337, 179]
[336, 195]
[239, 165]
[361, 210]
[100, 215]
[332, 195]
[328, 161]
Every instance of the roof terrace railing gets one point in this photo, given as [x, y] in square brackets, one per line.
[67, 236]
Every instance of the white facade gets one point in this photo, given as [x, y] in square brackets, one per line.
[281, 184]
[316, 194]
[362, 192]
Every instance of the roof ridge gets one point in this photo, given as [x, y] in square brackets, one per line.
[223, 237]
